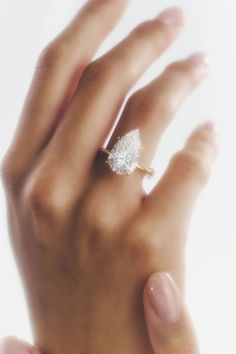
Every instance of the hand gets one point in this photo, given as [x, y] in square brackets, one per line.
[169, 326]
[86, 239]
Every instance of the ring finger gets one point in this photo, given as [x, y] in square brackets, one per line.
[94, 107]
[149, 110]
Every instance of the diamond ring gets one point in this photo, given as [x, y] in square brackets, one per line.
[123, 157]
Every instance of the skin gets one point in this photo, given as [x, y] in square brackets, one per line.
[86, 240]
[162, 335]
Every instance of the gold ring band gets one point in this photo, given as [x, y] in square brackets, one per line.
[147, 171]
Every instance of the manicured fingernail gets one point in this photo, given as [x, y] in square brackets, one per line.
[211, 126]
[171, 17]
[165, 298]
[200, 58]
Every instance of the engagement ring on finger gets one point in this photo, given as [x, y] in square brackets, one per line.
[123, 158]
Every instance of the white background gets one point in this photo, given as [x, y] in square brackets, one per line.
[26, 26]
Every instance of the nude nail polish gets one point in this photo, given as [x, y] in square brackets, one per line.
[171, 17]
[165, 297]
[200, 58]
[210, 125]
[212, 128]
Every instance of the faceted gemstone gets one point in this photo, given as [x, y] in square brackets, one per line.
[125, 154]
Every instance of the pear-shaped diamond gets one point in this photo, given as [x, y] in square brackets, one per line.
[125, 154]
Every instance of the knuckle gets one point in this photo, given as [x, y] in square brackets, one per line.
[97, 216]
[192, 164]
[43, 200]
[9, 175]
[97, 222]
[176, 66]
[93, 8]
[51, 54]
[139, 103]
[141, 240]
[143, 30]
[184, 70]
[91, 73]
[145, 35]
[165, 104]
[149, 102]
[101, 69]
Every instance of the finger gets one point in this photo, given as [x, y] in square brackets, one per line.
[151, 109]
[58, 71]
[102, 88]
[169, 326]
[12, 345]
[189, 170]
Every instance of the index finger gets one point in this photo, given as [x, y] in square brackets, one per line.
[58, 71]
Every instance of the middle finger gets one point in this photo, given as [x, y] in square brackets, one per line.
[97, 101]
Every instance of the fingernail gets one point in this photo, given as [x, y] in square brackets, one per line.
[200, 58]
[165, 298]
[171, 17]
[211, 126]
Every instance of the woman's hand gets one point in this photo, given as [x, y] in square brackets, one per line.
[87, 239]
[169, 327]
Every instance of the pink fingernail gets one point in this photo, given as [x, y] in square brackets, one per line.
[210, 125]
[165, 297]
[171, 17]
[200, 58]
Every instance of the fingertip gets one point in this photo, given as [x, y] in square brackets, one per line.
[173, 16]
[165, 297]
[169, 326]
[200, 58]
[12, 345]
[210, 126]
[198, 64]
[210, 130]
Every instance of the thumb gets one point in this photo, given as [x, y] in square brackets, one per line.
[12, 345]
[169, 326]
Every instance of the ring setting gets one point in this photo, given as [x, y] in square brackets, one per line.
[123, 158]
